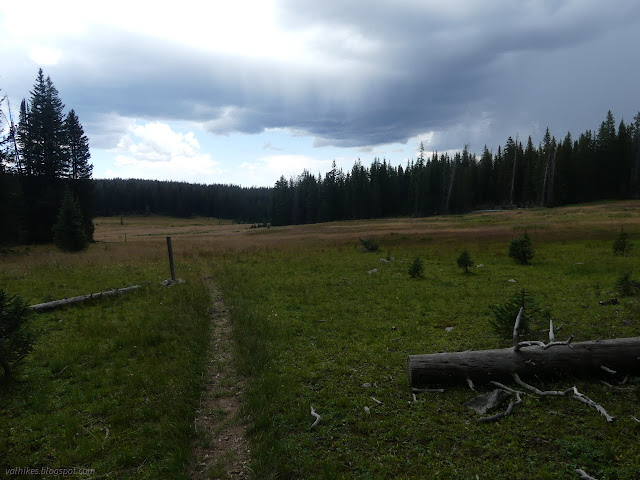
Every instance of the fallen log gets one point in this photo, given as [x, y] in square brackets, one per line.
[41, 307]
[581, 359]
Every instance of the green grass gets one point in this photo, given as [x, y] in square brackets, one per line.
[314, 326]
[112, 384]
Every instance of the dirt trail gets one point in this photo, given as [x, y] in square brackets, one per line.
[221, 450]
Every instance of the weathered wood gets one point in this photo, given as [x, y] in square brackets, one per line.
[41, 307]
[171, 265]
[582, 358]
[516, 328]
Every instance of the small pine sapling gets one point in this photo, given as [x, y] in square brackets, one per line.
[16, 336]
[627, 287]
[520, 249]
[416, 269]
[369, 245]
[504, 315]
[465, 261]
[621, 245]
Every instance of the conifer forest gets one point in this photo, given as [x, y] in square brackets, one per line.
[45, 152]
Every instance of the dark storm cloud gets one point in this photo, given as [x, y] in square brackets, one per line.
[379, 72]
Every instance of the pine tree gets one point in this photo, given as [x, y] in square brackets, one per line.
[68, 231]
[416, 268]
[635, 170]
[23, 137]
[465, 261]
[607, 161]
[621, 245]
[16, 336]
[42, 130]
[520, 249]
[504, 315]
[77, 146]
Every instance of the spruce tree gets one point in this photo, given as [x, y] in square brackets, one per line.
[77, 148]
[68, 231]
[23, 137]
[16, 336]
[621, 245]
[416, 269]
[520, 249]
[465, 261]
[42, 130]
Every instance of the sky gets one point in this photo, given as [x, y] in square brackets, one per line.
[244, 91]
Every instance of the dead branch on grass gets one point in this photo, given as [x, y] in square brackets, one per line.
[427, 390]
[573, 392]
[584, 475]
[41, 307]
[317, 418]
[500, 415]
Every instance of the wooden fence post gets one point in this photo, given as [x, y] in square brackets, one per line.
[173, 269]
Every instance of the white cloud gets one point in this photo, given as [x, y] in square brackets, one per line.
[44, 55]
[271, 146]
[268, 169]
[155, 151]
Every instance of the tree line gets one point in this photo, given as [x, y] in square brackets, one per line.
[43, 155]
[595, 166]
[46, 153]
[179, 199]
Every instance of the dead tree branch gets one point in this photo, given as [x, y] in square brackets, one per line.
[41, 307]
[584, 475]
[516, 327]
[317, 418]
[498, 416]
[584, 399]
[573, 391]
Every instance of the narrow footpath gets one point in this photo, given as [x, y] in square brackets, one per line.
[221, 450]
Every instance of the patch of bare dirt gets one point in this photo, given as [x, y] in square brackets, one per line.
[221, 450]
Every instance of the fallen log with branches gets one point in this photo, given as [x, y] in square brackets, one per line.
[537, 358]
[41, 307]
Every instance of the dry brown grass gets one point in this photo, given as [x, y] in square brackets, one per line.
[211, 234]
[205, 237]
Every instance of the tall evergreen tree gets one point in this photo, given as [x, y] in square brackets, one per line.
[3, 140]
[77, 146]
[43, 132]
[635, 171]
[68, 231]
[24, 142]
[606, 146]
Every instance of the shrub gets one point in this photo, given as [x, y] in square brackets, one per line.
[520, 249]
[68, 231]
[504, 316]
[627, 287]
[416, 269]
[621, 245]
[465, 261]
[369, 245]
[16, 337]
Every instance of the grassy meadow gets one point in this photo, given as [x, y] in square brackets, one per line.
[114, 384]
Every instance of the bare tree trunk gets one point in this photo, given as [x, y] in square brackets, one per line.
[453, 176]
[583, 358]
[40, 307]
[544, 183]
